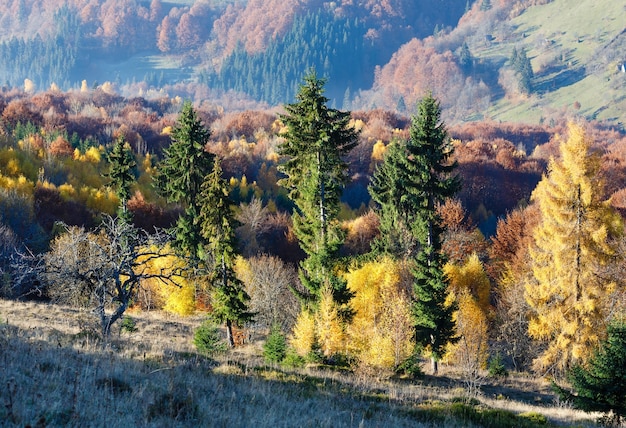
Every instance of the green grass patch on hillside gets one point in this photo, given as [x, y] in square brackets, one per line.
[566, 42]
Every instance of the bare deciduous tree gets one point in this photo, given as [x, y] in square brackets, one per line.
[253, 219]
[102, 270]
[267, 283]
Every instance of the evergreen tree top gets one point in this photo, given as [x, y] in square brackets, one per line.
[186, 162]
[217, 221]
[310, 121]
[429, 152]
[122, 166]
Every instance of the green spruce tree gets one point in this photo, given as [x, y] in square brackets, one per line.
[316, 140]
[217, 226]
[430, 169]
[122, 175]
[396, 217]
[180, 176]
[600, 386]
[523, 70]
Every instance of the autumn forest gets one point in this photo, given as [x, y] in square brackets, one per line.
[377, 224]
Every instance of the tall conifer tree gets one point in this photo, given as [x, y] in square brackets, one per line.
[316, 140]
[571, 245]
[122, 166]
[396, 217]
[217, 226]
[180, 176]
[415, 176]
[428, 163]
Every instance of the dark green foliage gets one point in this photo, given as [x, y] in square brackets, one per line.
[411, 366]
[316, 140]
[523, 69]
[180, 176]
[208, 339]
[429, 164]
[333, 45]
[429, 181]
[496, 366]
[414, 177]
[292, 359]
[217, 227]
[600, 386]
[128, 325]
[275, 346]
[122, 173]
[217, 221]
[387, 190]
[434, 327]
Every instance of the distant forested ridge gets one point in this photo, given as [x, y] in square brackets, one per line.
[43, 61]
[257, 48]
[334, 46]
[505, 60]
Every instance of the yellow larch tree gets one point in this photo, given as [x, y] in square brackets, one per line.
[380, 333]
[572, 244]
[471, 277]
[470, 353]
[303, 340]
[329, 325]
[471, 289]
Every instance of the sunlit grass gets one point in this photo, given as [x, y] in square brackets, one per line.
[55, 371]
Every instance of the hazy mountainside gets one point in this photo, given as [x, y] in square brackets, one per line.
[376, 54]
[166, 43]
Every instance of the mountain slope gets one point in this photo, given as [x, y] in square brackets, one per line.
[575, 47]
[376, 54]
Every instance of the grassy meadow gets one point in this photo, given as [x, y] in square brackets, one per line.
[567, 41]
[54, 371]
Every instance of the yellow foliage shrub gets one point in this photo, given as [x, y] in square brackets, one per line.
[175, 296]
[179, 300]
[101, 200]
[329, 329]
[18, 184]
[471, 277]
[67, 191]
[380, 333]
[357, 124]
[378, 150]
[12, 167]
[303, 338]
[243, 270]
[92, 155]
[471, 324]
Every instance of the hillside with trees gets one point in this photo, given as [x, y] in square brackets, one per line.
[523, 61]
[388, 229]
[361, 240]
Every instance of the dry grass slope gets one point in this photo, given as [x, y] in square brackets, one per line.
[55, 372]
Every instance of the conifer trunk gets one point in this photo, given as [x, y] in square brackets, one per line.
[229, 334]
